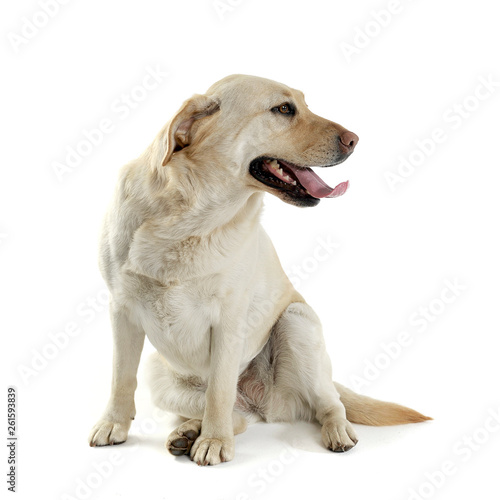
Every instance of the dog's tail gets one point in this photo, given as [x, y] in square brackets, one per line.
[368, 411]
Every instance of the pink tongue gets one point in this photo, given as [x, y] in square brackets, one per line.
[315, 186]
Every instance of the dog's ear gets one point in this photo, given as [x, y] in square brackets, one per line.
[179, 129]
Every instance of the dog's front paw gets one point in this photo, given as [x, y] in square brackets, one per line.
[212, 451]
[338, 435]
[106, 432]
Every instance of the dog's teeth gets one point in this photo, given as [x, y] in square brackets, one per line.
[294, 183]
[280, 171]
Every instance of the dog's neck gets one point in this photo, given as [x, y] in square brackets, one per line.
[181, 216]
[212, 214]
[194, 200]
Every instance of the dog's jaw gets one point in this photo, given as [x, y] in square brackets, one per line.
[296, 185]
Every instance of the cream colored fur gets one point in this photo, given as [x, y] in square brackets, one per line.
[189, 265]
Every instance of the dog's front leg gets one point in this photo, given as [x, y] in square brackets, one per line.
[128, 340]
[216, 441]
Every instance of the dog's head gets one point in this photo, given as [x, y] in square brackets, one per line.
[260, 135]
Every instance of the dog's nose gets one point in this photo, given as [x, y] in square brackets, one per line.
[348, 141]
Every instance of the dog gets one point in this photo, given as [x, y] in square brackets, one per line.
[188, 264]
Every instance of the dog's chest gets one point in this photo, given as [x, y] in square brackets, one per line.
[185, 293]
[178, 321]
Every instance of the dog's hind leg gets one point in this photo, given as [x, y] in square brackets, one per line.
[184, 396]
[303, 387]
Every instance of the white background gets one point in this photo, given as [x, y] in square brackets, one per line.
[396, 248]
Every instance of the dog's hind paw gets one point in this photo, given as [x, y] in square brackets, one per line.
[181, 440]
[338, 435]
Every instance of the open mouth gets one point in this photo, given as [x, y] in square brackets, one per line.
[297, 182]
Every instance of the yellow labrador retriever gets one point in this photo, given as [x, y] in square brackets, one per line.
[189, 265]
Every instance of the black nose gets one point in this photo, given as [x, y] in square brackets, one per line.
[348, 141]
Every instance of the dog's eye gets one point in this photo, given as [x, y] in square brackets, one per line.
[285, 109]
